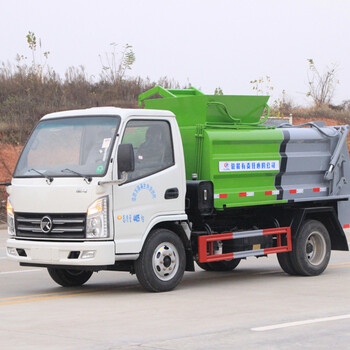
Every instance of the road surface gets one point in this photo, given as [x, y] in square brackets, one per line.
[256, 306]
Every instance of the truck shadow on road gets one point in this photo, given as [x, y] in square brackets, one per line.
[198, 279]
[246, 279]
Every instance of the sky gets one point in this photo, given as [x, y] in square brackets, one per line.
[205, 43]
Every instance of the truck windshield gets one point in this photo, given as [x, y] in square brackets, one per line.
[77, 146]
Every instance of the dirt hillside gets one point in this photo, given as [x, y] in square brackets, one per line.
[8, 158]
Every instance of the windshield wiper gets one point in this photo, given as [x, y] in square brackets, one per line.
[87, 179]
[49, 179]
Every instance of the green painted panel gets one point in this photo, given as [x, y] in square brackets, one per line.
[243, 147]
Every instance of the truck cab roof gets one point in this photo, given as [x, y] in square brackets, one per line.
[103, 111]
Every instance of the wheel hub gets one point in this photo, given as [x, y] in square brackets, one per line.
[309, 248]
[165, 261]
[315, 248]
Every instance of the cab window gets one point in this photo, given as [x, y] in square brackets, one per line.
[153, 147]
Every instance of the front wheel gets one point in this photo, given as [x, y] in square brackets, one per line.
[69, 278]
[161, 264]
[311, 249]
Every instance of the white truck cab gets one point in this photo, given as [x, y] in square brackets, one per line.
[71, 203]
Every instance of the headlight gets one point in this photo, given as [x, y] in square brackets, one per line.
[96, 219]
[10, 219]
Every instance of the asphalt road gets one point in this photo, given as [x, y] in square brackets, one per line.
[256, 306]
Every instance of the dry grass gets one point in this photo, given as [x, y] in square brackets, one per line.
[339, 113]
[25, 96]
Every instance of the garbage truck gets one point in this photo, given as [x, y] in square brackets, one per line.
[189, 178]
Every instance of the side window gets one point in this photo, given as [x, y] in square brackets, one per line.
[152, 144]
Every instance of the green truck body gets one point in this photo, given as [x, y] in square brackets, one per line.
[226, 129]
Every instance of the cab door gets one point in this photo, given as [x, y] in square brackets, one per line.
[154, 189]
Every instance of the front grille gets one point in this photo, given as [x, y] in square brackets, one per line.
[64, 226]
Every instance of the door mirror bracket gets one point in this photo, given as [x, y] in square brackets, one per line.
[126, 163]
[120, 181]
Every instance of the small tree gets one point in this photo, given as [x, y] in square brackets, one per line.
[115, 64]
[218, 91]
[321, 85]
[262, 85]
[37, 68]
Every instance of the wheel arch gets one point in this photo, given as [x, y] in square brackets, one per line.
[182, 229]
[175, 227]
[328, 217]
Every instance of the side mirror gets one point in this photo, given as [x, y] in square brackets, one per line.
[126, 160]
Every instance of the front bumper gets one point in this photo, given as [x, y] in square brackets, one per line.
[61, 253]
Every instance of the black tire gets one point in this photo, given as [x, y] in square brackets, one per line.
[285, 262]
[204, 266]
[311, 249]
[161, 264]
[69, 278]
[225, 265]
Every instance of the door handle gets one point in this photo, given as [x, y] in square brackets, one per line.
[171, 193]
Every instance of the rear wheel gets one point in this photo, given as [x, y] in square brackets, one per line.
[311, 251]
[204, 266]
[69, 278]
[161, 264]
[286, 264]
[225, 265]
